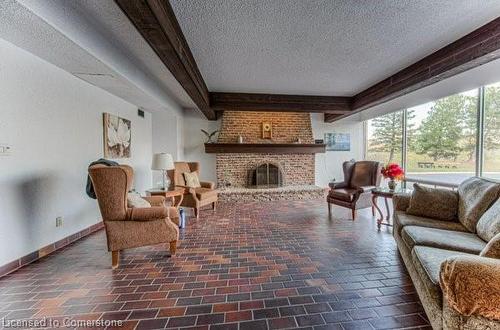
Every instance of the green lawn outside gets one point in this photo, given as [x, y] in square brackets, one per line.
[462, 164]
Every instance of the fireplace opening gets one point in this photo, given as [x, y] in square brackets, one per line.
[265, 176]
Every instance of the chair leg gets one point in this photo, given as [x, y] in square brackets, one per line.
[214, 206]
[115, 259]
[373, 211]
[196, 213]
[329, 209]
[353, 214]
[173, 247]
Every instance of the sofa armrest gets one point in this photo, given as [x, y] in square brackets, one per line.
[189, 191]
[155, 200]
[207, 184]
[338, 185]
[364, 189]
[471, 285]
[147, 213]
[401, 201]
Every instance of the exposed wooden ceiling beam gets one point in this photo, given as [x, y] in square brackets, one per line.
[476, 48]
[279, 102]
[156, 22]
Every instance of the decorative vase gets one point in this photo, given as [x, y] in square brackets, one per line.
[240, 139]
[392, 184]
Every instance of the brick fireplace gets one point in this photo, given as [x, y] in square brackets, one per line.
[287, 127]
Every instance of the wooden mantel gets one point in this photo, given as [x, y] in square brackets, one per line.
[264, 148]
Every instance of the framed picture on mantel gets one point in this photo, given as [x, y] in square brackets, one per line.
[338, 141]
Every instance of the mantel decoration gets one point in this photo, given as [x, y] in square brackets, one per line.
[209, 136]
[117, 136]
[267, 130]
[394, 173]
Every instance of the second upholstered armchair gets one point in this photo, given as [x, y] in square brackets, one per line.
[195, 197]
[131, 227]
[360, 178]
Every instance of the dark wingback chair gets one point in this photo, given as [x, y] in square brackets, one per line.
[360, 178]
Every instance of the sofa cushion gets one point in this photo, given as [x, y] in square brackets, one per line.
[343, 194]
[443, 239]
[427, 262]
[205, 193]
[402, 219]
[443, 202]
[475, 195]
[492, 249]
[489, 224]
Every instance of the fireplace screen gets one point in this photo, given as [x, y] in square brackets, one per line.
[265, 176]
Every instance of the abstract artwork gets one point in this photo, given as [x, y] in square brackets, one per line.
[338, 141]
[117, 136]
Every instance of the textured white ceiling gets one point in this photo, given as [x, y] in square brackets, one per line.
[322, 47]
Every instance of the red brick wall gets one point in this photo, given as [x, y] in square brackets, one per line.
[287, 127]
[297, 169]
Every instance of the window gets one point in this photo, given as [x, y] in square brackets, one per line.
[491, 139]
[441, 139]
[385, 138]
[437, 142]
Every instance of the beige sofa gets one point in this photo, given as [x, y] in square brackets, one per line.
[454, 264]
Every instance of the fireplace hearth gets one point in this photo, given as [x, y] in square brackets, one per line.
[265, 175]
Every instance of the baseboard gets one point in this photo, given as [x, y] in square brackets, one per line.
[46, 250]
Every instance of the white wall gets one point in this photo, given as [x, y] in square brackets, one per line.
[194, 149]
[167, 137]
[53, 122]
[329, 164]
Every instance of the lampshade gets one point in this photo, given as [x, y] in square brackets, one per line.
[162, 161]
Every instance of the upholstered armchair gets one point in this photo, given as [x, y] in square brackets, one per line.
[360, 178]
[198, 197]
[131, 227]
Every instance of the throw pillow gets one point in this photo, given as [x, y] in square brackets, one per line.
[135, 200]
[192, 180]
[489, 224]
[475, 195]
[440, 204]
[492, 249]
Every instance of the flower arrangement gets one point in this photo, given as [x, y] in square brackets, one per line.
[393, 172]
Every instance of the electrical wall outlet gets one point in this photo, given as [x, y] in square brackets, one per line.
[5, 150]
[59, 221]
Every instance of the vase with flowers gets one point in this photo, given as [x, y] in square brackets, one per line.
[393, 172]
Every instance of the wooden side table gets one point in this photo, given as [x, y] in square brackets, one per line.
[175, 195]
[386, 193]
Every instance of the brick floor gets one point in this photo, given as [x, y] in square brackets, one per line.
[248, 266]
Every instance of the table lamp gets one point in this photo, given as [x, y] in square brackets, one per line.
[163, 162]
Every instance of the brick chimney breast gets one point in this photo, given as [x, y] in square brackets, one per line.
[287, 127]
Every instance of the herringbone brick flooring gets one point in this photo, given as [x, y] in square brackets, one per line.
[249, 266]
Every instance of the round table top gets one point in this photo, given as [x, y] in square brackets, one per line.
[386, 192]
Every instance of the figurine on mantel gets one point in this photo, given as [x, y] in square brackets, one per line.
[240, 139]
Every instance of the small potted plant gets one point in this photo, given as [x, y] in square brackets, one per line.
[393, 172]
